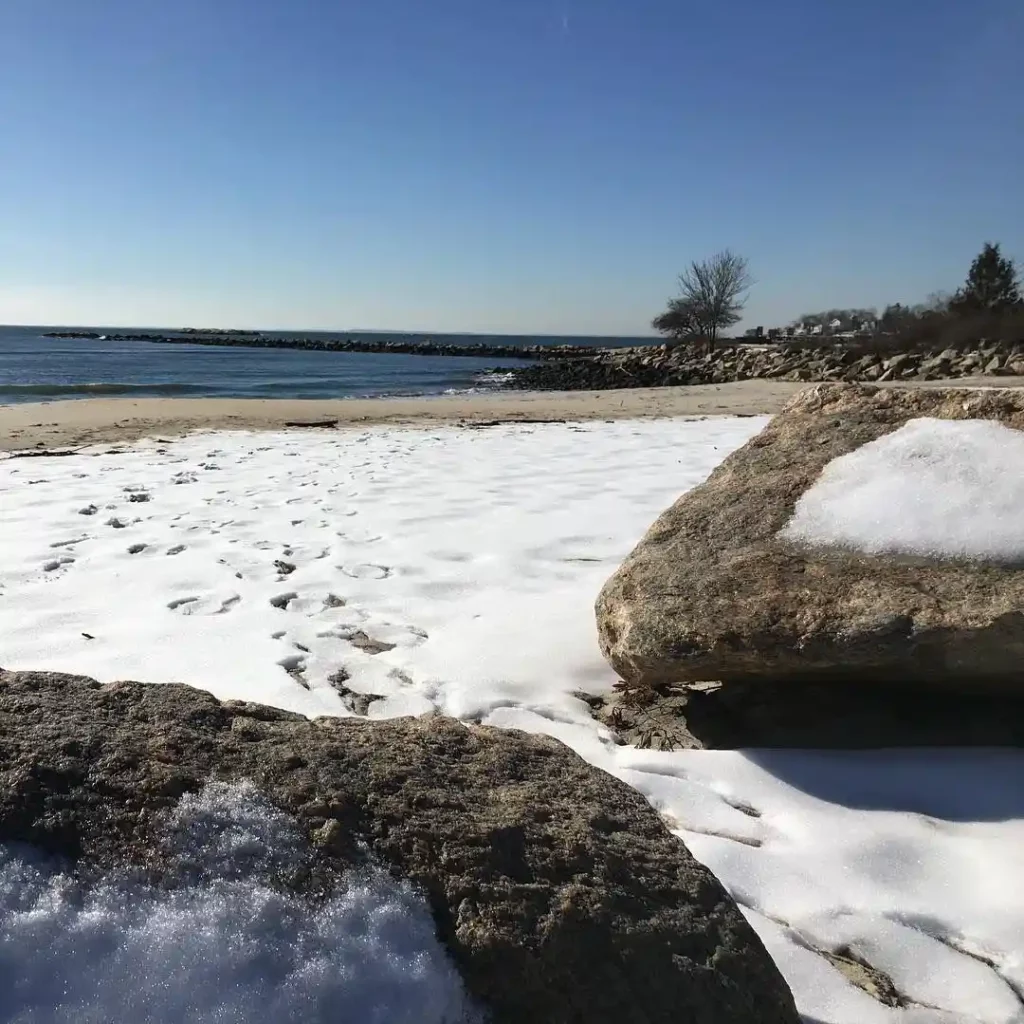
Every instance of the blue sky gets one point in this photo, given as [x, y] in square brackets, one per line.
[496, 165]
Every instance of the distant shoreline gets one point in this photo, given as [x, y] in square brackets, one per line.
[69, 424]
[428, 346]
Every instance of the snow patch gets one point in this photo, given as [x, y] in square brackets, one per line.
[934, 488]
[226, 947]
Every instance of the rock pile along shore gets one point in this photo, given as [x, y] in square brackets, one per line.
[661, 366]
[586, 368]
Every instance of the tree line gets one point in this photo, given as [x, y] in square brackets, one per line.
[713, 292]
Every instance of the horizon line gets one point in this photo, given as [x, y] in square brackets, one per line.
[328, 330]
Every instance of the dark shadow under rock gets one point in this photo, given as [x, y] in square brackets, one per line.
[806, 714]
[556, 888]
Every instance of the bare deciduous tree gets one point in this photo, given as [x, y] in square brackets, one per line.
[711, 297]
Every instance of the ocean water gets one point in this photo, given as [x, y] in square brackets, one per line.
[34, 368]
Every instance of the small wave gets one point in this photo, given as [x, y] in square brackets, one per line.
[483, 383]
[70, 390]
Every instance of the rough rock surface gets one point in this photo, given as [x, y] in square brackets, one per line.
[711, 593]
[853, 361]
[556, 888]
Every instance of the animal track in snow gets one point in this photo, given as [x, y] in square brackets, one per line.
[58, 563]
[283, 600]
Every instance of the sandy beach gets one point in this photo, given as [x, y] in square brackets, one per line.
[91, 421]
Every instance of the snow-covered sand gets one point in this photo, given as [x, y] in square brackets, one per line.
[283, 567]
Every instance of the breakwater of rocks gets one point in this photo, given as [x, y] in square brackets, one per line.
[663, 366]
[567, 367]
[426, 347]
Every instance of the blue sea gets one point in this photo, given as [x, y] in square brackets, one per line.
[35, 369]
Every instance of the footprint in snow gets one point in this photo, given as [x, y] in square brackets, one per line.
[208, 605]
[57, 563]
[370, 644]
[366, 571]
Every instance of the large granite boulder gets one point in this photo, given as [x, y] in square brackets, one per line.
[717, 590]
[557, 890]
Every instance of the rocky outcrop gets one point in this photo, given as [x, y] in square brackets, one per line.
[662, 366]
[556, 888]
[713, 593]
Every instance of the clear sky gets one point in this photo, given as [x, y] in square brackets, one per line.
[496, 165]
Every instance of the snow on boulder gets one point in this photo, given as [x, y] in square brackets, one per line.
[307, 869]
[945, 489]
[866, 534]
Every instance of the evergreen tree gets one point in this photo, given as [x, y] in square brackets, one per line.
[992, 285]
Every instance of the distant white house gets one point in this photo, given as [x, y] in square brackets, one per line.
[835, 325]
[817, 329]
